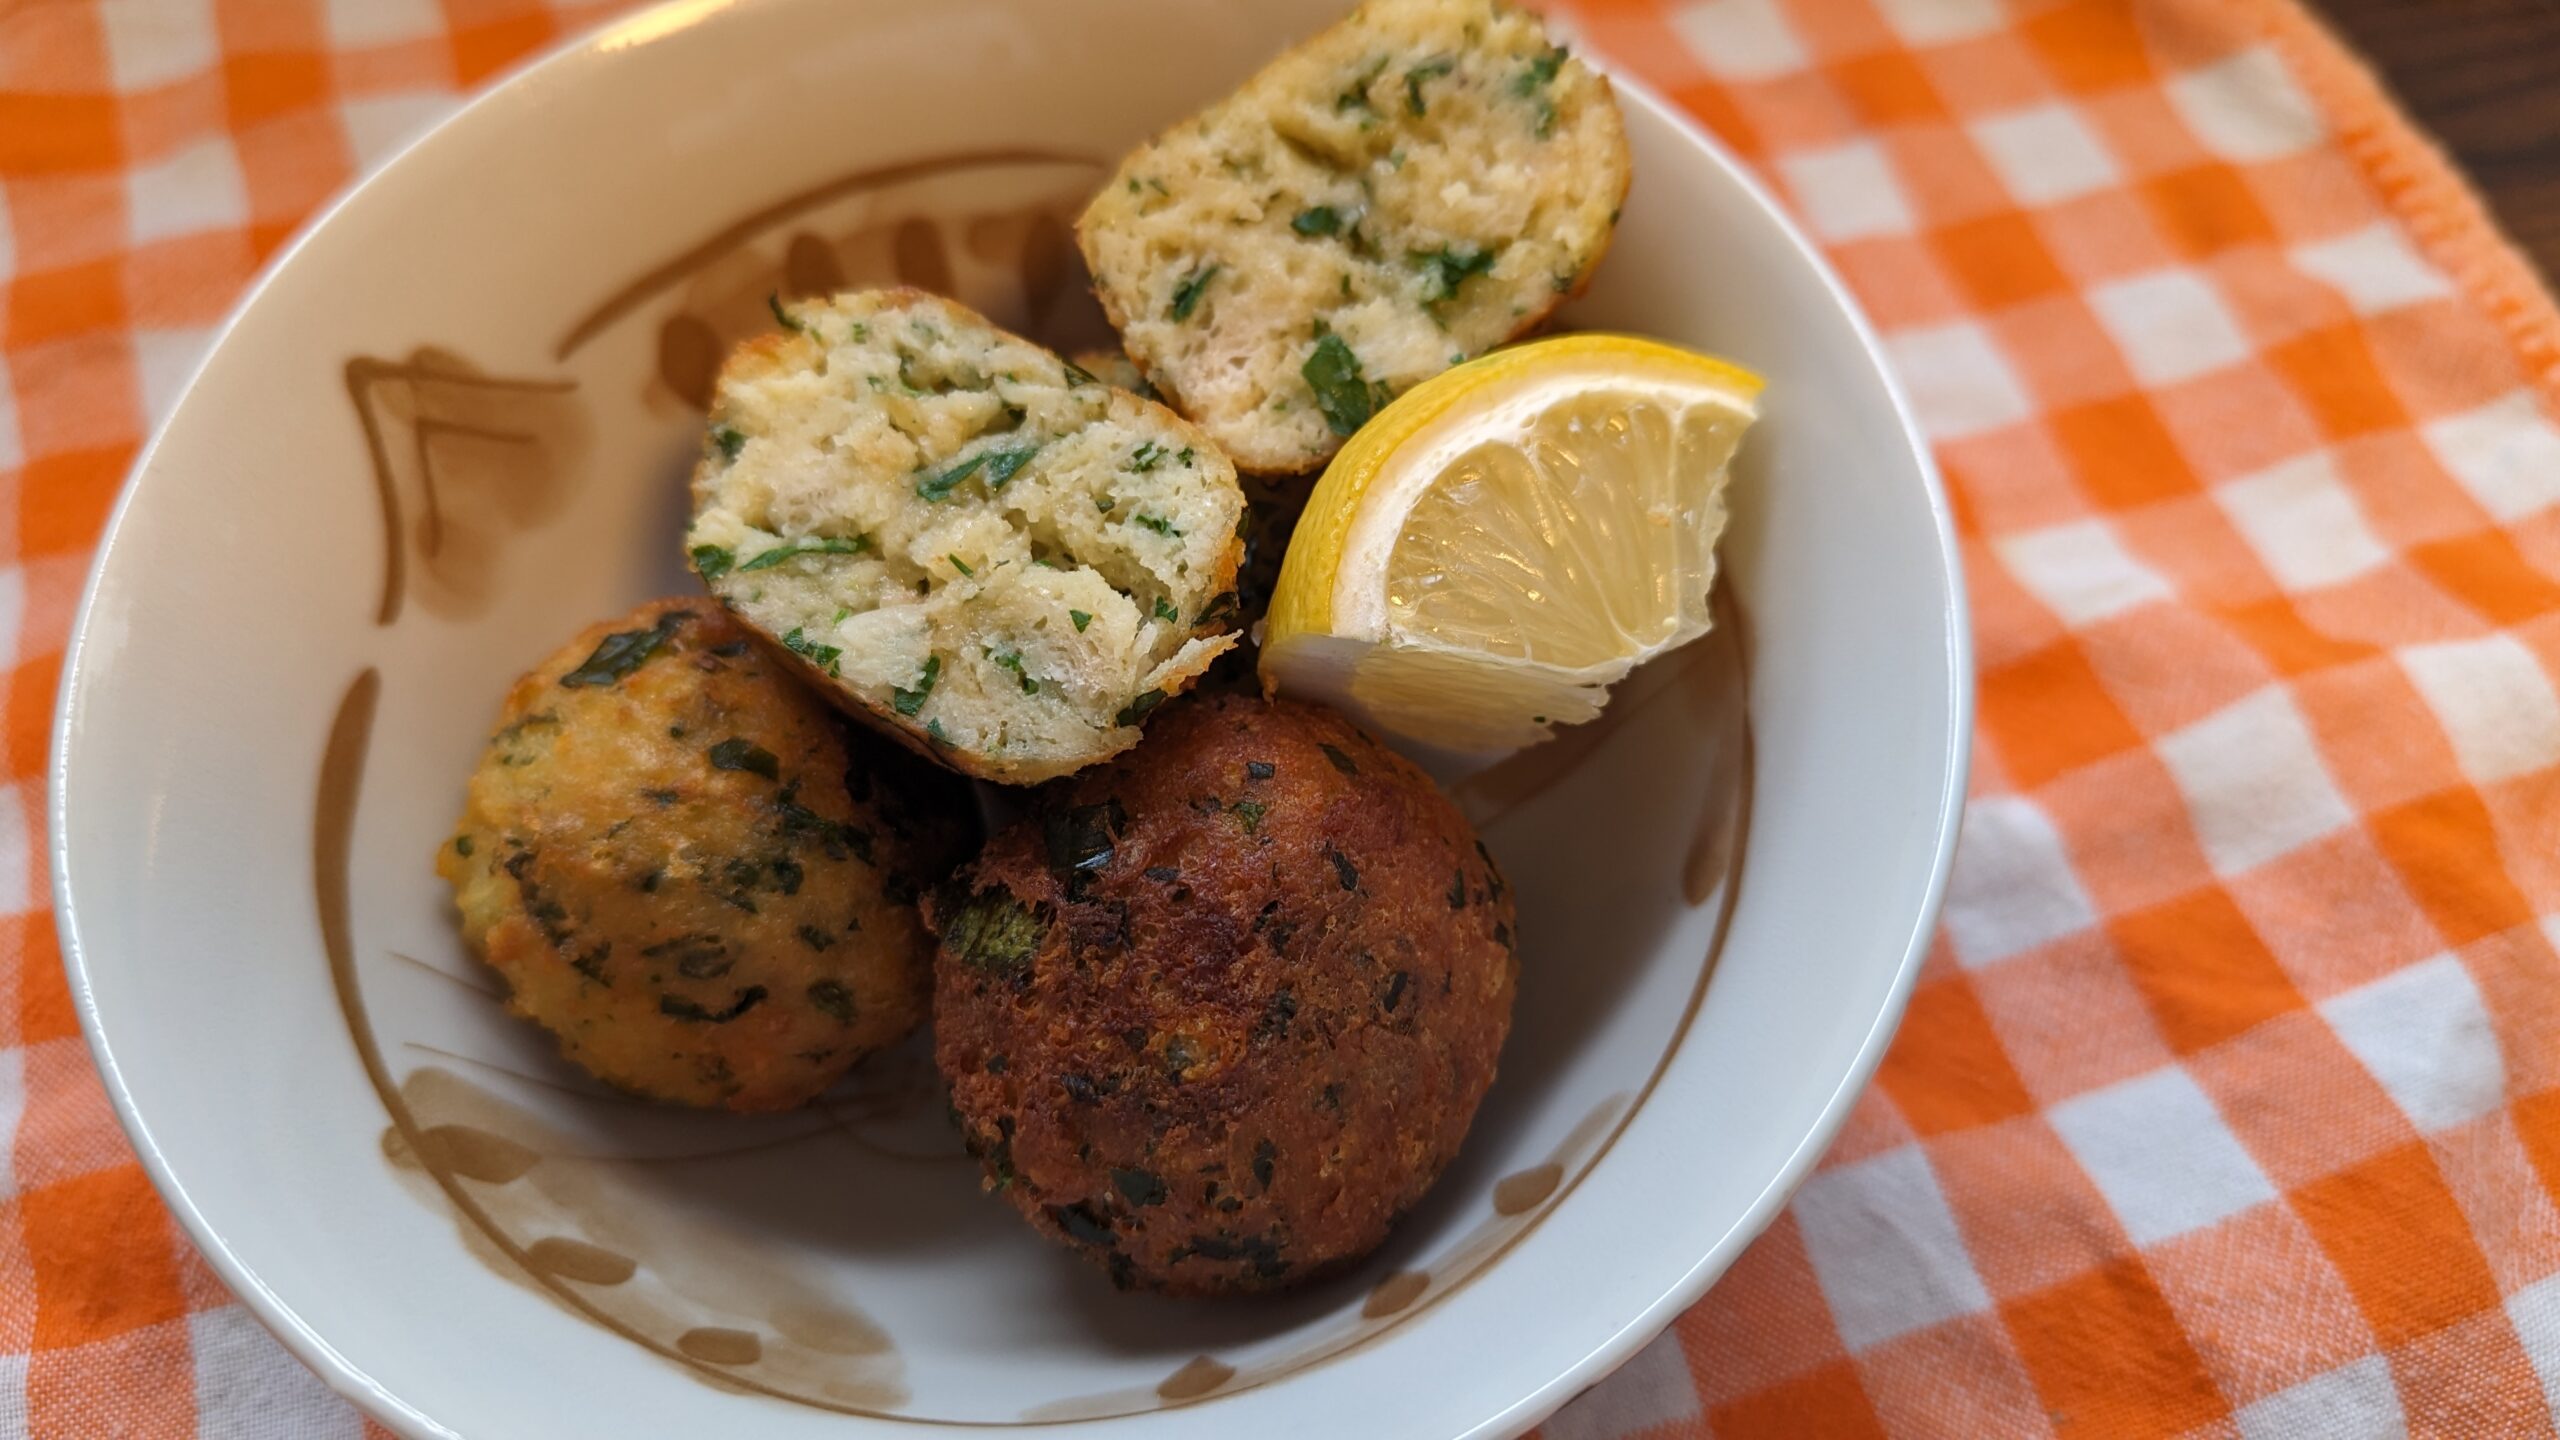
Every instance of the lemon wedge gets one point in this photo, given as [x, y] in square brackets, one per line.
[1484, 559]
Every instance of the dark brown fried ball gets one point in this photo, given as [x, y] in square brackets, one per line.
[1218, 1012]
[692, 872]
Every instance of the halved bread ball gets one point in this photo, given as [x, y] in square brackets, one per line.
[969, 542]
[1407, 190]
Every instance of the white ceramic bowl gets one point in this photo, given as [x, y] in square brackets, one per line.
[450, 427]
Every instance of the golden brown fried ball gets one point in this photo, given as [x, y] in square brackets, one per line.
[1219, 1012]
[692, 872]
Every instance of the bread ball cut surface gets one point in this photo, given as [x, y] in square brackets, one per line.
[971, 543]
[1405, 191]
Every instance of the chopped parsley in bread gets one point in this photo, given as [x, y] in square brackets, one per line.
[968, 541]
[1407, 190]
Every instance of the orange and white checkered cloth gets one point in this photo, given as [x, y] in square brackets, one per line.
[2229, 1102]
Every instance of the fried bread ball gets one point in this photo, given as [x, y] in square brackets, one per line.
[1407, 190]
[1219, 1012]
[961, 538]
[693, 872]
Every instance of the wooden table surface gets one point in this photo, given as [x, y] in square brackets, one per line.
[2483, 77]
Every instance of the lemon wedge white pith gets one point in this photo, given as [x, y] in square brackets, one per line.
[1507, 540]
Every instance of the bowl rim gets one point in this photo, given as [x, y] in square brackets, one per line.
[655, 20]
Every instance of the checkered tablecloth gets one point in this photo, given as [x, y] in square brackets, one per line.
[2229, 1102]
